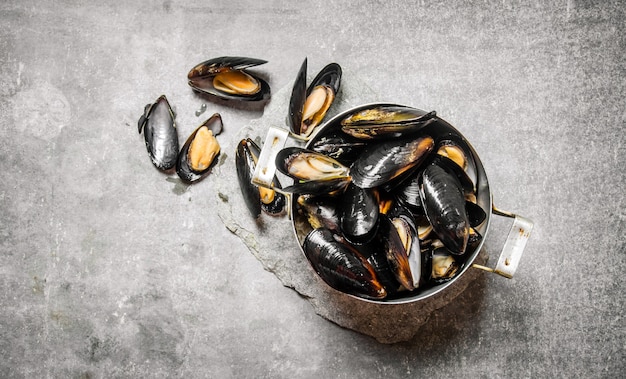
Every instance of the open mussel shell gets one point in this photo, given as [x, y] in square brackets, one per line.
[160, 135]
[395, 251]
[256, 198]
[341, 266]
[306, 165]
[227, 78]
[321, 212]
[456, 148]
[198, 154]
[382, 162]
[386, 121]
[441, 265]
[314, 173]
[374, 250]
[308, 105]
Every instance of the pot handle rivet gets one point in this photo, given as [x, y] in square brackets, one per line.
[513, 247]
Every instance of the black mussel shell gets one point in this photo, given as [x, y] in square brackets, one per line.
[381, 162]
[405, 226]
[475, 213]
[444, 204]
[359, 213]
[245, 164]
[344, 148]
[452, 168]
[160, 135]
[395, 252]
[341, 266]
[329, 76]
[386, 121]
[205, 77]
[220, 64]
[320, 211]
[318, 187]
[474, 239]
[409, 193]
[296, 102]
[375, 254]
[256, 198]
[199, 153]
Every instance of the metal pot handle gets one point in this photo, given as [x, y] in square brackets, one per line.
[513, 247]
[266, 166]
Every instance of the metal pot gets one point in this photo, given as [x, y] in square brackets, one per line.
[513, 247]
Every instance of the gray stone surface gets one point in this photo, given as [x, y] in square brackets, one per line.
[110, 268]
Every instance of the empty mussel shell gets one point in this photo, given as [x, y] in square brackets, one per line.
[227, 78]
[197, 156]
[160, 135]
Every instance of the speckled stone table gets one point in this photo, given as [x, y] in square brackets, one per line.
[110, 268]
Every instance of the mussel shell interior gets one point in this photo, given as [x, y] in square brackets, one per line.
[186, 167]
[205, 85]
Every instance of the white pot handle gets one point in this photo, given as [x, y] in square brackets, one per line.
[513, 247]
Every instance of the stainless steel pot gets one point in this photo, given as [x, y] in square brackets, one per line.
[511, 251]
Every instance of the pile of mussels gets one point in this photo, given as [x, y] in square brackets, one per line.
[384, 196]
[225, 78]
[385, 201]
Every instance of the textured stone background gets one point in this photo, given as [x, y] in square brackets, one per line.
[109, 268]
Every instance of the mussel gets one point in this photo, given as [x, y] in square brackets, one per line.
[441, 265]
[198, 154]
[309, 105]
[386, 121]
[381, 162]
[342, 147]
[314, 173]
[160, 135]
[227, 78]
[359, 213]
[321, 211]
[444, 204]
[341, 266]
[256, 198]
[396, 252]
